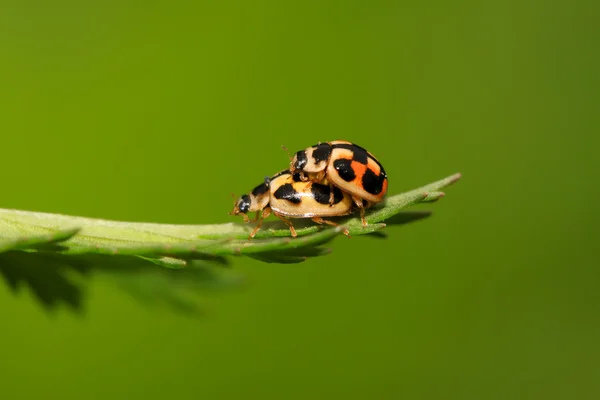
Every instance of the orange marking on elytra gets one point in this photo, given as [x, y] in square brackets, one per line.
[384, 188]
[359, 170]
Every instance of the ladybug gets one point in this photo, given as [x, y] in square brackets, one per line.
[287, 196]
[346, 165]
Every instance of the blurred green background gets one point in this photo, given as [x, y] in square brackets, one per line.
[157, 111]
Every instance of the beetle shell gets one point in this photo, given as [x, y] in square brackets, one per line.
[346, 165]
[286, 195]
[294, 198]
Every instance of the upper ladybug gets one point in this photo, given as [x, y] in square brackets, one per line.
[347, 166]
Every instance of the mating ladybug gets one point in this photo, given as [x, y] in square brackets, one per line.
[286, 195]
[346, 165]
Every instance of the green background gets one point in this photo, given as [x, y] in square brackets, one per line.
[150, 111]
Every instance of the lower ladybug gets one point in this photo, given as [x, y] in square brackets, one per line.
[287, 196]
[347, 166]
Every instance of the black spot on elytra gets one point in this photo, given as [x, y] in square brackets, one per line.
[301, 160]
[321, 193]
[361, 155]
[344, 168]
[244, 203]
[261, 189]
[287, 192]
[348, 146]
[321, 153]
[373, 183]
[296, 177]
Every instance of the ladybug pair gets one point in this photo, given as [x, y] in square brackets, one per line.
[329, 179]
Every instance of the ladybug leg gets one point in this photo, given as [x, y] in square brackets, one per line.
[288, 223]
[321, 221]
[246, 218]
[359, 203]
[303, 176]
[312, 177]
[265, 214]
[331, 195]
[362, 217]
[320, 175]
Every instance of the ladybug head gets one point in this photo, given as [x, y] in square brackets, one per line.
[299, 161]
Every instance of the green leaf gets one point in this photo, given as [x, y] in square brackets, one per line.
[51, 253]
[49, 241]
[174, 245]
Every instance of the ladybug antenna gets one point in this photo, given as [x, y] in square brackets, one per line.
[234, 197]
[287, 151]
